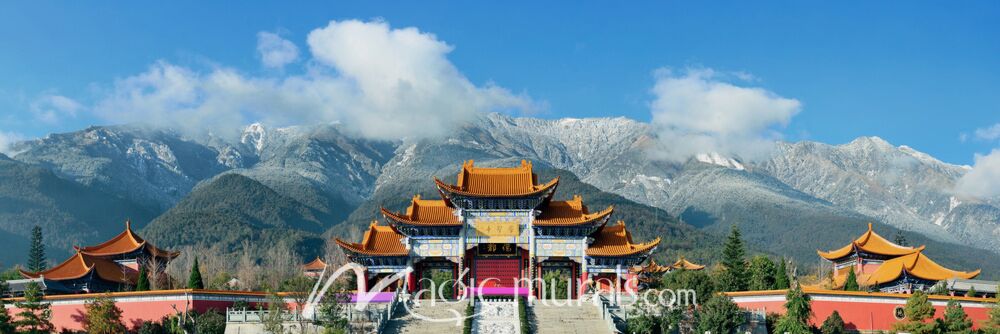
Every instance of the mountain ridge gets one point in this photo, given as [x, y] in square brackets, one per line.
[335, 175]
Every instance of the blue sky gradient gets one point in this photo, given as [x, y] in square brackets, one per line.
[915, 73]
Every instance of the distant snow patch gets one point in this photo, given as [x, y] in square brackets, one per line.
[717, 159]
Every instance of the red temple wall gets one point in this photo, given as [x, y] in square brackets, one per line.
[860, 311]
[68, 310]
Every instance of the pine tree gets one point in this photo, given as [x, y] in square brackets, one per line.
[781, 276]
[762, 273]
[833, 324]
[36, 254]
[972, 292]
[918, 310]
[195, 281]
[797, 313]
[955, 320]
[852, 282]
[994, 322]
[719, 315]
[734, 275]
[142, 284]
[6, 323]
[103, 317]
[35, 314]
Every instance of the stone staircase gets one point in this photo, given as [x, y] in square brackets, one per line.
[496, 317]
[550, 318]
[424, 318]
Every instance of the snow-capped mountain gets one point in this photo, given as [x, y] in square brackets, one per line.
[899, 185]
[334, 174]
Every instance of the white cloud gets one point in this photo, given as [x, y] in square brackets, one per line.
[7, 139]
[379, 82]
[696, 112]
[403, 80]
[52, 109]
[275, 52]
[990, 133]
[983, 181]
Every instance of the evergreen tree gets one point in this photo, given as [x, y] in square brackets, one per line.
[833, 324]
[35, 314]
[955, 320]
[852, 282]
[6, 323]
[103, 317]
[762, 273]
[797, 313]
[195, 281]
[734, 263]
[972, 292]
[719, 316]
[142, 284]
[918, 311]
[781, 276]
[993, 325]
[696, 280]
[36, 254]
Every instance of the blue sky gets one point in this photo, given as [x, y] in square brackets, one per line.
[914, 73]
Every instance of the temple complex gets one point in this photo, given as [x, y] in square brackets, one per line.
[110, 266]
[882, 265]
[503, 227]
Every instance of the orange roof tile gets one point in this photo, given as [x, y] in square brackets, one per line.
[378, 240]
[653, 268]
[683, 263]
[425, 212]
[512, 181]
[81, 264]
[916, 264]
[125, 242]
[870, 242]
[615, 240]
[567, 213]
[316, 264]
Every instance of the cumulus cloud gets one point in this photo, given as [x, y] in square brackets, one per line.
[52, 109]
[989, 133]
[379, 82]
[983, 181]
[697, 111]
[275, 52]
[7, 139]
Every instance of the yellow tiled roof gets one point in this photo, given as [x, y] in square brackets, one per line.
[81, 264]
[481, 181]
[615, 240]
[683, 263]
[426, 212]
[125, 242]
[378, 240]
[870, 242]
[916, 264]
[568, 213]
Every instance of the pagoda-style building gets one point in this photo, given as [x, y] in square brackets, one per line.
[653, 272]
[314, 268]
[882, 265]
[504, 227]
[110, 266]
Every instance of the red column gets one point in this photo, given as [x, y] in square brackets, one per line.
[411, 280]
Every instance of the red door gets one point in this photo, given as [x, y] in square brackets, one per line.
[497, 273]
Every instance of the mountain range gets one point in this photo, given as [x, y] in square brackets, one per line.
[303, 184]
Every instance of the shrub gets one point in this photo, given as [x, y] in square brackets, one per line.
[833, 324]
